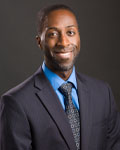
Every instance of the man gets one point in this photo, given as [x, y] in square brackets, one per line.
[35, 114]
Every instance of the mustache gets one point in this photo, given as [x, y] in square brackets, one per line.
[62, 49]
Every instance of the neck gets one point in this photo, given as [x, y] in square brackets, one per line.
[63, 74]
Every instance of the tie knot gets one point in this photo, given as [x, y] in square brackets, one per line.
[66, 89]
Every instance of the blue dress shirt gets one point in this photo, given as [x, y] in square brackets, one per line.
[56, 82]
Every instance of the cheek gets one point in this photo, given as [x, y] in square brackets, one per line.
[50, 43]
[76, 41]
[79, 44]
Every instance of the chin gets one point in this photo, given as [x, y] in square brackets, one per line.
[63, 67]
[60, 64]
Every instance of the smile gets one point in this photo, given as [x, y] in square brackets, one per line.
[64, 54]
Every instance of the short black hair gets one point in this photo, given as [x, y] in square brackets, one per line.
[43, 13]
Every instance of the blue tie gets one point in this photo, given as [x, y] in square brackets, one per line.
[72, 112]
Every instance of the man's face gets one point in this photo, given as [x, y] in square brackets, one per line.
[60, 40]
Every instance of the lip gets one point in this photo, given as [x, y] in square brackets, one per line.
[63, 51]
[64, 54]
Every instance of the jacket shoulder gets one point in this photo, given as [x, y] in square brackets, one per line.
[24, 87]
[93, 84]
[90, 80]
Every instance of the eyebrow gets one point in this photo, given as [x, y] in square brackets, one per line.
[71, 26]
[55, 28]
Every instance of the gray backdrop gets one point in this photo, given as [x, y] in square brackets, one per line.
[99, 22]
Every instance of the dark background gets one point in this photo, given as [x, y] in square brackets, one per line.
[99, 22]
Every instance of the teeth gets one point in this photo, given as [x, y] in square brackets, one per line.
[64, 54]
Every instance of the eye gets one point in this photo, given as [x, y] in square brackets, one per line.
[52, 34]
[71, 33]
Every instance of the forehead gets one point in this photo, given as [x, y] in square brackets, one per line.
[61, 18]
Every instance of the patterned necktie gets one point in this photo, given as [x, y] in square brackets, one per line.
[72, 112]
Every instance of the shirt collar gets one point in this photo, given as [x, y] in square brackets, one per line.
[55, 80]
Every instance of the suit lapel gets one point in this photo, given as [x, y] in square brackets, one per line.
[51, 102]
[85, 113]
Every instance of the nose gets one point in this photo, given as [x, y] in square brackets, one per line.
[63, 40]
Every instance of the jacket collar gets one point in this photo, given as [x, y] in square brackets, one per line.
[50, 101]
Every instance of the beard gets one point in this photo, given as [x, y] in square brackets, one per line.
[61, 64]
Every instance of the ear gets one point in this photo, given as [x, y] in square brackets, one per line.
[38, 39]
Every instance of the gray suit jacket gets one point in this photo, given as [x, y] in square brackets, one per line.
[32, 117]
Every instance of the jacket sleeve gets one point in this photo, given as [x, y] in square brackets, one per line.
[14, 126]
[113, 137]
